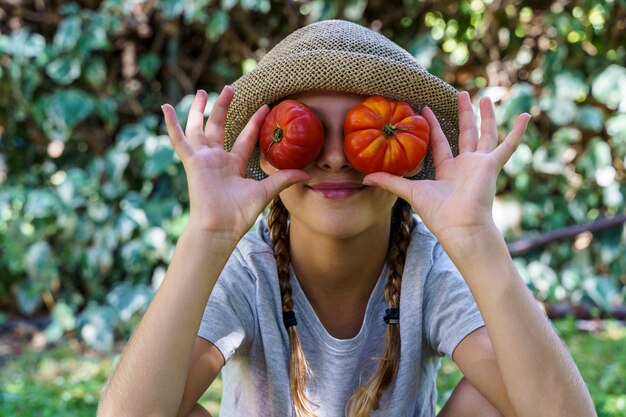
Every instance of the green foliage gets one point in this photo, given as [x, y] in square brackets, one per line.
[64, 381]
[93, 198]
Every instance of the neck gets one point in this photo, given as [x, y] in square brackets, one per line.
[335, 271]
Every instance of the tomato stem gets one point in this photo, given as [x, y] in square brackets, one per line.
[277, 136]
[389, 130]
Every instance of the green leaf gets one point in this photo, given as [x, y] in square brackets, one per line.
[609, 87]
[171, 8]
[616, 128]
[68, 33]
[262, 6]
[149, 65]
[72, 106]
[596, 156]
[41, 264]
[116, 163]
[95, 35]
[95, 71]
[601, 290]
[41, 204]
[64, 70]
[132, 136]
[218, 25]
[97, 326]
[24, 44]
[571, 86]
[63, 319]
[129, 299]
[160, 155]
[562, 112]
[28, 296]
[590, 118]
[106, 108]
[60, 112]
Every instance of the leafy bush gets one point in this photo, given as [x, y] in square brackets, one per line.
[93, 198]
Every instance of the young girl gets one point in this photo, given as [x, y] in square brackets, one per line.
[341, 302]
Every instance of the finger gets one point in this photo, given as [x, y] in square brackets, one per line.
[504, 151]
[438, 142]
[488, 127]
[394, 184]
[282, 179]
[214, 129]
[248, 137]
[468, 134]
[175, 132]
[195, 120]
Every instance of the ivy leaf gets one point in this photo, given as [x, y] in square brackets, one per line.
[609, 87]
[590, 118]
[218, 25]
[72, 106]
[97, 325]
[67, 34]
[149, 65]
[95, 71]
[570, 85]
[64, 70]
[22, 43]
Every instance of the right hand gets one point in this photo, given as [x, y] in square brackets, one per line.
[222, 201]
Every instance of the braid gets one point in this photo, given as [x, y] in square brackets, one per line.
[298, 366]
[367, 397]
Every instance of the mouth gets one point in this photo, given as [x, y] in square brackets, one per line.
[337, 190]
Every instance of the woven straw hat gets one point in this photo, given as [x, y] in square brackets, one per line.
[338, 55]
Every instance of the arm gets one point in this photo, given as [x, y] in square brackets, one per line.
[538, 374]
[152, 373]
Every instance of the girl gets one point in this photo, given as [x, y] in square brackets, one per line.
[341, 302]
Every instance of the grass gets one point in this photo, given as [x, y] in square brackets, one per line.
[66, 380]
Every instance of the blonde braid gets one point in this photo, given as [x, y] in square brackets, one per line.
[367, 397]
[299, 370]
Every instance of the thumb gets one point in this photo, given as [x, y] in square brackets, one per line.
[394, 184]
[282, 179]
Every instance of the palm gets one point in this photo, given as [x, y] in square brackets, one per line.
[461, 196]
[221, 198]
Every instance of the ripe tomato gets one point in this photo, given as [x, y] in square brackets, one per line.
[291, 135]
[382, 134]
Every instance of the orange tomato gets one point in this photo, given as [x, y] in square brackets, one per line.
[381, 134]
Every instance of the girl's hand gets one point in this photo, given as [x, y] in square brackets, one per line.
[458, 203]
[221, 199]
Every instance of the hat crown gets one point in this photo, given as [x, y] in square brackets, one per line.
[338, 36]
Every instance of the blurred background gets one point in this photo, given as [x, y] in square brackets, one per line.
[93, 198]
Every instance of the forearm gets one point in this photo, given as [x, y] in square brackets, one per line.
[539, 374]
[151, 374]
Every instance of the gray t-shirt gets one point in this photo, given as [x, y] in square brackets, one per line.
[243, 318]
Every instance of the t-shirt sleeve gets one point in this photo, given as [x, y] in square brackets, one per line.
[450, 312]
[229, 316]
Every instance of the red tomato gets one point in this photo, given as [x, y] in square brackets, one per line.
[382, 134]
[291, 135]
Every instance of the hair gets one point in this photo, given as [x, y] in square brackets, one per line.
[366, 397]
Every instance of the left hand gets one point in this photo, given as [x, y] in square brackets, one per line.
[459, 201]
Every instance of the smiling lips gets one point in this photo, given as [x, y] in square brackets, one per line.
[337, 190]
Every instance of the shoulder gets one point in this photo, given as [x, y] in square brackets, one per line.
[424, 247]
[252, 258]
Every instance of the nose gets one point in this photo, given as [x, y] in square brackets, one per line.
[332, 157]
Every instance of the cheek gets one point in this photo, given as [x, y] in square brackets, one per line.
[266, 167]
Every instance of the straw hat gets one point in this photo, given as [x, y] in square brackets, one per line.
[338, 55]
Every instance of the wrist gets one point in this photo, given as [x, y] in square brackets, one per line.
[214, 240]
[473, 247]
